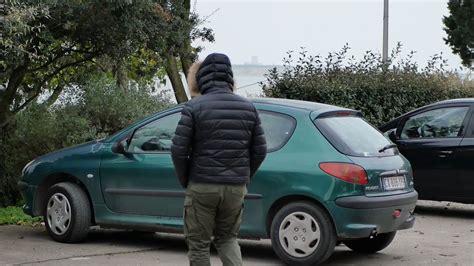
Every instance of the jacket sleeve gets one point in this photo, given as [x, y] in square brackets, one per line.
[258, 148]
[182, 144]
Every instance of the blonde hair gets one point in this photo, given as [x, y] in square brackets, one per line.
[193, 85]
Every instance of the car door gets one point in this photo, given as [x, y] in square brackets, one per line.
[142, 180]
[464, 191]
[430, 140]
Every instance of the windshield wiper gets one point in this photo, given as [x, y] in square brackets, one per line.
[388, 146]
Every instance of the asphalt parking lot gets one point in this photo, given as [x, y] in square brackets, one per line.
[443, 235]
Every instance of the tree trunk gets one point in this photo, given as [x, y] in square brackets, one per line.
[6, 98]
[186, 57]
[52, 99]
[186, 53]
[171, 66]
[5, 118]
[120, 74]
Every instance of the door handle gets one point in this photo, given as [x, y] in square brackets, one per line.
[444, 154]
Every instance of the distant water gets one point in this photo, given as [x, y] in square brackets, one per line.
[247, 79]
[249, 86]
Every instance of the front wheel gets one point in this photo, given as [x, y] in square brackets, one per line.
[67, 213]
[371, 244]
[302, 234]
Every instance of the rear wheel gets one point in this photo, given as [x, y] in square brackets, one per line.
[371, 244]
[67, 213]
[302, 234]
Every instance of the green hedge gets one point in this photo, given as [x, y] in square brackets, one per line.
[15, 215]
[95, 111]
[380, 92]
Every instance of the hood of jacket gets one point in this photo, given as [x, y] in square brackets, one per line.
[215, 74]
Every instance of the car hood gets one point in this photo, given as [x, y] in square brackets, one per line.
[53, 160]
[83, 148]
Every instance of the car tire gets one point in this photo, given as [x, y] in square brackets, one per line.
[67, 213]
[302, 233]
[371, 244]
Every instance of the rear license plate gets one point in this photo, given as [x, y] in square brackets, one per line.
[394, 182]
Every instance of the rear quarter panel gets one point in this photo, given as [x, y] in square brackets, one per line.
[294, 171]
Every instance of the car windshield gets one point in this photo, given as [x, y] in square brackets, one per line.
[353, 136]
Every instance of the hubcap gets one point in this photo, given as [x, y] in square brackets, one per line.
[299, 234]
[58, 213]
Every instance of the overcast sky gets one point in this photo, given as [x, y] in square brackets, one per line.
[268, 29]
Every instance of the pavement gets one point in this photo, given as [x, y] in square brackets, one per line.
[443, 235]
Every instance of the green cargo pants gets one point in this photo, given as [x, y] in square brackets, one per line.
[213, 210]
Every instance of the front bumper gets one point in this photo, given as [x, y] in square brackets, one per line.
[362, 216]
[27, 191]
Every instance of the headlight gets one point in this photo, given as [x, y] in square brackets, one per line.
[26, 167]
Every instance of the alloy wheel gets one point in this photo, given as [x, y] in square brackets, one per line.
[58, 213]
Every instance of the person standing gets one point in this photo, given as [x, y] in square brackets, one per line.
[218, 146]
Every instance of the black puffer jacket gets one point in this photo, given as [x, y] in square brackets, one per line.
[219, 138]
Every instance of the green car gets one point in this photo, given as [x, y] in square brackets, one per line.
[329, 177]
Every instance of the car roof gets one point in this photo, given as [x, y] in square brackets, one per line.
[303, 105]
[311, 107]
[394, 121]
[444, 102]
[459, 100]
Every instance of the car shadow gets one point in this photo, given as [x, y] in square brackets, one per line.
[255, 250]
[260, 250]
[344, 256]
[445, 209]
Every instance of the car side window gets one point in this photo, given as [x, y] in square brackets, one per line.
[155, 136]
[277, 127]
[438, 123]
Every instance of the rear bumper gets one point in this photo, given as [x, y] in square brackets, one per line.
[361, 216]
[364, 202]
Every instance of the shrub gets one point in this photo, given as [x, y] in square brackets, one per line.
[37, 131]
[15, 215]
[110, 108]
[381, 92]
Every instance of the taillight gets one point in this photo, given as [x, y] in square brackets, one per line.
[348, 172]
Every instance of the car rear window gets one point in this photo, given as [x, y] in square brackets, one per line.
[353, 136]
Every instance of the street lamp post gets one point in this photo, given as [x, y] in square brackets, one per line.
[385, 33]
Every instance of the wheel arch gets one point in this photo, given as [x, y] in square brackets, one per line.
[281, 202]
[52, 179]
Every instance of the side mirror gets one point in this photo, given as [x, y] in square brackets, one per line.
[121, 147]
[393, 135]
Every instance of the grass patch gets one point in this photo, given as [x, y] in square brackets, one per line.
[15, 215]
